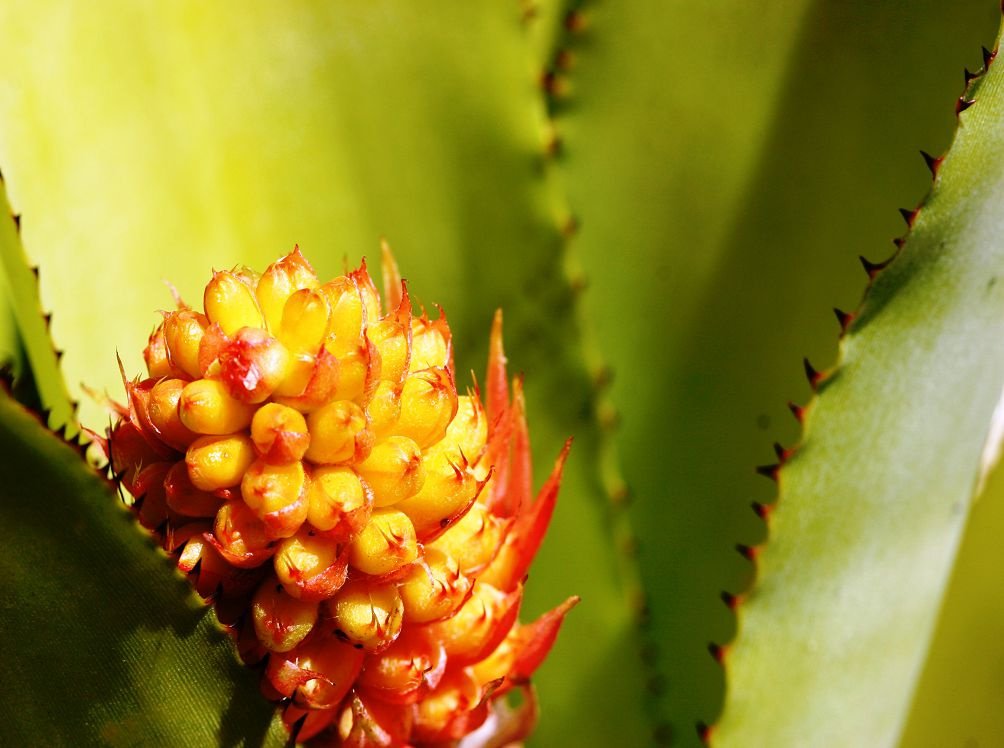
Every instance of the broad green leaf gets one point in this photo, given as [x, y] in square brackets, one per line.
[29, 332]
[872, 506]
[106, 644]
[156, 141]
[727, 162]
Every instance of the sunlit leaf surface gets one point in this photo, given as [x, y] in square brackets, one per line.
[872, 505]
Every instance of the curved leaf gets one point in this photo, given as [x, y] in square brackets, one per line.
[727, 163]
[872, 505]
[105, 642]
[21, 293]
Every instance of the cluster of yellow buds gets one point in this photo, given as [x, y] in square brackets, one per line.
[305, 456]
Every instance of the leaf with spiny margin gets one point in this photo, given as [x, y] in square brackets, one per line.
[105, 643]
[330, 125]
[27, 329]
[872, 506]
[728, 162]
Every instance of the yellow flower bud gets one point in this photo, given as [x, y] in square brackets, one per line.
[279, 433]
[385, 408]
[474, 540]
[216, 462]
[278, 495]
[338, 500]
[479, 626]
[158, 364]
[230, 302]
[456, 694]
[281, 621]
[358, 371]
[184, 498]
[279, 281]
[183, 331]
[309, 566]
[368, 615]
[467, 434]
[206, 407]
[430, 344]
[165, 416]
[393, 470]
[434, 588]
[428, 405]
[299, 370]
[391, 340]
[406, 666]
[305, 320]
[385, 544]
[347, 315]
[338, 433]
[448, 491]
[240, 536]
[321, 373]
[317, 674]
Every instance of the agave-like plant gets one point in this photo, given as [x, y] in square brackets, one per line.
[666, 199]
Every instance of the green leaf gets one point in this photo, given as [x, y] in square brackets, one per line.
[106, 644]
[30, 329]
[873, 504]
[149, 142]
[728, 162]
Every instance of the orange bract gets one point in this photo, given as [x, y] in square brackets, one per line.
[311, 466]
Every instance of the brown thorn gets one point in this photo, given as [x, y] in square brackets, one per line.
[967, 76]
[717, 651]
[908, 215]
[963, 104]
[844, 319]
[797, 410]
[570, 227]
[574, 21]
[811, 374]
[549, 82]
[768, 471]
[762, 510]
[730, 600]
[988, 57]
[704, 732]
[933, 162]
[17, 222]
[749, 552]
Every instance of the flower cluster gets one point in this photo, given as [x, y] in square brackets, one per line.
[305, 456]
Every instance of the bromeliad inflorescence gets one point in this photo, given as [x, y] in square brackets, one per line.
[306, 458]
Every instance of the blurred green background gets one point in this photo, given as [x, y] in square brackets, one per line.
[665, 197]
